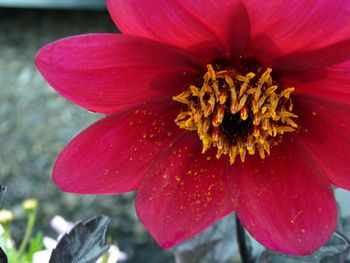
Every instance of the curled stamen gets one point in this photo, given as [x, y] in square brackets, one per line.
[237, 114]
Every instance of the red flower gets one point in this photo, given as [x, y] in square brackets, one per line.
[284, 200]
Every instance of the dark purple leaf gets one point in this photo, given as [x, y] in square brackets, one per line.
[195, 255]
[2, 193]
[85, 243]
[3, 258]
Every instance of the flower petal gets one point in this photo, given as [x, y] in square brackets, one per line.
[184, 193]
[101, 72]
[214, 29]
[331, 83]
[316, 30]
[285, 202]
[319, 58]
[324, 130]
[114, 154]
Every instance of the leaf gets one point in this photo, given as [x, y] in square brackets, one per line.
[195, 255]
[35, 245]
[85, 243]
[216, 244]
[3, 258]
[2, 193]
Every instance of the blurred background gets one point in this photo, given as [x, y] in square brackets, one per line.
[36, 123]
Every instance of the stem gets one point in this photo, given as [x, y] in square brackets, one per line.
[27, 235]
[242, 244]
[105, 258]
[7, 232]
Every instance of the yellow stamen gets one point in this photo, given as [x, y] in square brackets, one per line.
[237, 114]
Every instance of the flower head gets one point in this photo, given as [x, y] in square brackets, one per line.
[213, 107]
[6, 217]
[30, 205]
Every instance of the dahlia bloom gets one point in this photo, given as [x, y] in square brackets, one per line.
[213, 107]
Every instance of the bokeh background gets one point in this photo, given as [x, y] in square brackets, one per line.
[36, 123]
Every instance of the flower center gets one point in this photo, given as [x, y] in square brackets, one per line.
[237, 114]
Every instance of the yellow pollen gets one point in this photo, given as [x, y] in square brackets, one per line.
[237, 114]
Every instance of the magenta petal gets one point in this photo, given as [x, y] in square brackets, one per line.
[114, 154]
[330, 55]
[184, 193]
[102, 72]
[214, 29]
[324, 130]
[281, 28]
[285, 202]
[331, 83]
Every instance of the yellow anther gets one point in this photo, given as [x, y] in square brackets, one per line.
[261, 152]
[273, 114]
[211, 72]
[197, 116]
[265, 124]
[286, 92]
[242, 102]
[195, 91]
[206, 141]
[244, 113]
[250, 142]
[255, 106]
[241, 78]
[290, 122]
[233, 154]
[241, 150]
[205, 126]
[256, 131]
[270, 90]
[215, 134]
[183, 97]
[273, 130]
[256, 112]
[223, 96]
[256, 119]
[229, 81]
[218, 116]
[265, 77]
[284, 129]
[250, 75]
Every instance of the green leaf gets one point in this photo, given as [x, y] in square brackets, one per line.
[35, 244]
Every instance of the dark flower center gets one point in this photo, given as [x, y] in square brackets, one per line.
[237, 114]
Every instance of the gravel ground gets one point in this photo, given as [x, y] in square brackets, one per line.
[35, 124]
